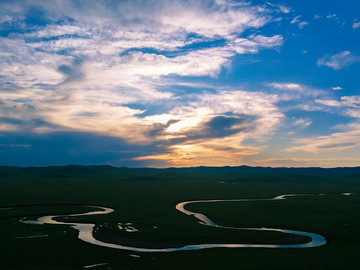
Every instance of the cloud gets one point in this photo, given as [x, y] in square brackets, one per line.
[206, 18]
[70, 148]
[309, 162]
[213, 128]
[296, 19]
[223, 126]
[209, 153]
[7, 127]
[287, 86]
[16, 145]
[348, 138]
[302, 123]
[280, 8]
[351, 101]
[330, 102]
[331, 143]
[337, 88]
[290, 91]
[72, 72]
[356, 25]
[331, 16]
[109, 47]
[209, 122]
[211, 21]
[111, 67]
[300, 23]
[344, 102]
[338, 61]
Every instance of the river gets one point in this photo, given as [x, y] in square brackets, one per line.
[86, 230]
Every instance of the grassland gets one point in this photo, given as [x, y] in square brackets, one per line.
[147, 198]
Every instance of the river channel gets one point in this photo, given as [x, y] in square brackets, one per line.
[86, 230]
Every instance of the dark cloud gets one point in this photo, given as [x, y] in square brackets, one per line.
[14, 107]
[88, 114]
[217, 127]
[62, 148]
[221, 126]
[72, 72]
[25, 126]
[337, 145]
[159, 129]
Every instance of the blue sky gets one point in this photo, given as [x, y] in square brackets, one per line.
[180, 83]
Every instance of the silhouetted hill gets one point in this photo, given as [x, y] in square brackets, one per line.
[241, 173]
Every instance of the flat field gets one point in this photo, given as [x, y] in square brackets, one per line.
[145, 200]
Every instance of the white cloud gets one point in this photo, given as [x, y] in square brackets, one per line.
[331, 16]
[211, 22]
[345, 101]
[60, 30]
[295, 91]
[300, 23]
[338, 61]
[287, 86]
[348, 138]
[109, 37]
[284, 9]
[353, 113]
[331, 143]
[296, 19]
[281, 8]
[348, 106]
[356, 25]
[302, 123]
[267, 42]
[337, 88]
[309, 107]
[253, 43]
[351, 101]
[219, 18]
[330, 102]
[257, 104]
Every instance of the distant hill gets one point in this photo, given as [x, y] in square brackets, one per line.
[245, 173]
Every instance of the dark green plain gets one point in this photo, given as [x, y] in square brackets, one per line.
[147, 198]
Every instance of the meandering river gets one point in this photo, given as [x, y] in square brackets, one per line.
[86, 230]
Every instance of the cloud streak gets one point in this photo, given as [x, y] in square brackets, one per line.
[331, 143]
[338, 61]
[348, 138]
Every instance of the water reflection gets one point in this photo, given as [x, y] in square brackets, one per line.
[86, 230]
[316, 239]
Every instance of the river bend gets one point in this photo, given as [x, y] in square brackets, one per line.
[86, 230]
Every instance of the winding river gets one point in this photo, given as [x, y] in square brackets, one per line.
[86, 230]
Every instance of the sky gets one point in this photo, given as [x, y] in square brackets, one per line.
[177, 83]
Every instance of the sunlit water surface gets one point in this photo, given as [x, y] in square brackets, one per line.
[86, 230]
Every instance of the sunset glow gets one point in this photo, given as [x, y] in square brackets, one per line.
[180, 83]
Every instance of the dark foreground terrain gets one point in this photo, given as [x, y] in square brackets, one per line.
[146, 198]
